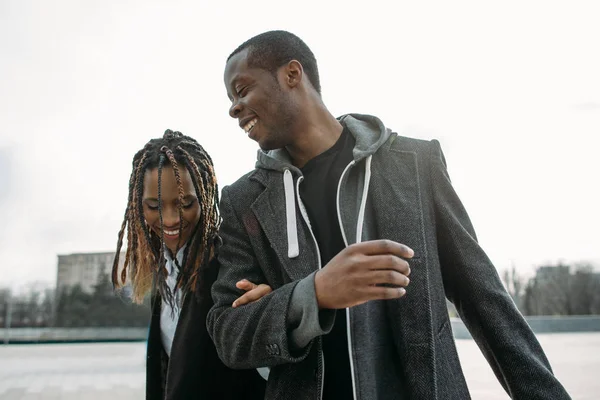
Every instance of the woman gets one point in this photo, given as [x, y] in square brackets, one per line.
[172, 220]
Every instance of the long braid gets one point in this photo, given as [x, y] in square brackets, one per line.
[210, 181]
[180, 194]
[134, 221]
[209, 194]
[140, 155]
[144, 255]
[162, 287]
[201, 240]
[115, 268]
[187, 279]
[138, 210]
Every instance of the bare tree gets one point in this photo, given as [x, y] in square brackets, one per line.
[584, 286]
[563, 290]
[515, 284]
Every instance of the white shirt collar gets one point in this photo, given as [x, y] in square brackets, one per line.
[170, 264]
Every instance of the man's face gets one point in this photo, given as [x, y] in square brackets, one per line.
[262, 106]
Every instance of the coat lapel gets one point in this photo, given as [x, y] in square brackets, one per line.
[269, 209]
[156, 362]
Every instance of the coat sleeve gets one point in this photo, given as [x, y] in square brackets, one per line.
[472, 284]
[277, 329]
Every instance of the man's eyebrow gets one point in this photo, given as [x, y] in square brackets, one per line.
[239, 79]
[231, 88]
[233, 81]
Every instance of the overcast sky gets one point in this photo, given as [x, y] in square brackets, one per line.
[511, 89]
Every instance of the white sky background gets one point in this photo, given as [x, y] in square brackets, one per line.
[511, 89]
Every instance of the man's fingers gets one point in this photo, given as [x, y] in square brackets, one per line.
[389, 262]
[385, 293]
[388, 277]
[383, 246]
[252, 295]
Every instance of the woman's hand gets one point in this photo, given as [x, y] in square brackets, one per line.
[253, 292]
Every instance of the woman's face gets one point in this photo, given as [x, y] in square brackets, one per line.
[170, 205]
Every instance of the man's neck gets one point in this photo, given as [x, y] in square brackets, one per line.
[319, 134]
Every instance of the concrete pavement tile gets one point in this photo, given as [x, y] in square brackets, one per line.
[127, 393]
[32, 396]
[73, 396]
[90, 392]
[50, 393]
[13, 394]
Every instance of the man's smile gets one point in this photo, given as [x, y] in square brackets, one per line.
[248, 125]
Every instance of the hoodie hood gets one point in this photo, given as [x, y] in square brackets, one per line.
[368, 131]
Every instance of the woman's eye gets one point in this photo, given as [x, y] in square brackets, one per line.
[152, 206]
[188, 205]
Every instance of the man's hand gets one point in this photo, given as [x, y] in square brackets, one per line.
[372, 270]
[253, 292]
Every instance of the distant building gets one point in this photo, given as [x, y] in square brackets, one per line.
[98, 305]
[84, 269]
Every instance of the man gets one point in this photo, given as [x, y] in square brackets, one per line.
[362, 237]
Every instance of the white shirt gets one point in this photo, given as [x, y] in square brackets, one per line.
[168, 317]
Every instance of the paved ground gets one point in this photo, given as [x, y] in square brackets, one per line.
[575, 359]
[115, 371]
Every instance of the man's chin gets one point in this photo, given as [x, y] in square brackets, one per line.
[268, 145]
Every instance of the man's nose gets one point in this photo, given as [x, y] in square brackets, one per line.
[235, 109]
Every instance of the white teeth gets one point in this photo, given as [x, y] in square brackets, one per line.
[250, 125]
[171, 233]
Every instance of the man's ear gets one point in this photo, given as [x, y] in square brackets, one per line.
[293, 73]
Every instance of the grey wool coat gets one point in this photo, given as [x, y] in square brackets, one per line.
[399, 349]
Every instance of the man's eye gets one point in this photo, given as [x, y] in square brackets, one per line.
[242, 91]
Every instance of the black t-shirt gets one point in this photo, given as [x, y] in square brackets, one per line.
[318, 192]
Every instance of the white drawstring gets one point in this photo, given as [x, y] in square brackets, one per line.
[290, 214]
[337, 201]
[290, 208]
[363, 202]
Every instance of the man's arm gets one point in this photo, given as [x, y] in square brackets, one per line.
[472, 283]
[276, 329]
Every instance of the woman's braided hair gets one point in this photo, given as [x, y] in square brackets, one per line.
[144, 265]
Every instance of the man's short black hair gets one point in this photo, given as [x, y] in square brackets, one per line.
[270, 50]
